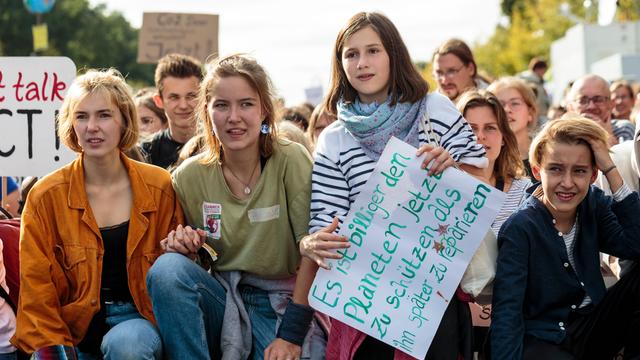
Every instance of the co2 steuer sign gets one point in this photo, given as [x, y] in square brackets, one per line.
[412, 237]
[31, 92]
[188, 34]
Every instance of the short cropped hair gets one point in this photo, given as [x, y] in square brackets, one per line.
[108, 83]
[538, 63]
[178, 66]
[297, 114]
[570, 129]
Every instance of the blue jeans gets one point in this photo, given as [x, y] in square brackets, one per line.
[130, 336]
[189, 306]
[9, 356]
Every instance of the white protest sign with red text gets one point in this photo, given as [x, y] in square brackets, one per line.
[31, 92]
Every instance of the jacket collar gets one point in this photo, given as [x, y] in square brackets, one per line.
[534, 202]
[142, 197]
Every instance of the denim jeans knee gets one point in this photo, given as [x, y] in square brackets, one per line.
[135, 339]
[189, 307]
[130, 336]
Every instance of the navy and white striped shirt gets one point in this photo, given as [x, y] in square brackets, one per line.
[623, 130]
[341, 167]
[516, 195]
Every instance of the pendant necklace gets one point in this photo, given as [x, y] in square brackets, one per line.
[247, 189]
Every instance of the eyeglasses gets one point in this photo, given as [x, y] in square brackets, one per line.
[512, 104]
[598, 100]
[621, 97]
[449, 73]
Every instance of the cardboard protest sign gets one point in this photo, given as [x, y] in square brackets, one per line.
[31, 92]
[412, 236]
[189, 34]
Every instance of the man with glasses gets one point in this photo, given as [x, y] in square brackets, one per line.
[455, 69]
[590, 97]
[177, 79]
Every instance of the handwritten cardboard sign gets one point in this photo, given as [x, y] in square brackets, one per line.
[412, 236]
[31, 92]
[189, 34]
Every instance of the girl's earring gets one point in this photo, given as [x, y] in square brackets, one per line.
[264, 128]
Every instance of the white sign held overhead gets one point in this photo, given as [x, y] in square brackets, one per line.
[411, 236]
[31, 92]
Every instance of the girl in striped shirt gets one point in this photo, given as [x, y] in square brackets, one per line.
[377, 93]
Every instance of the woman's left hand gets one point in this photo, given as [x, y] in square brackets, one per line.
[280, 349]
[601, 153]
[438, 156]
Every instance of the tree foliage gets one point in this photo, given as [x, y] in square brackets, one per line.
[628, 10]
[532, 25]
[90, 36]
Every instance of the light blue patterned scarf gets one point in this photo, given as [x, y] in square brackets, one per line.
[373, 125]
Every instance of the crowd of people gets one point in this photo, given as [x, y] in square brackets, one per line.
[193, 221]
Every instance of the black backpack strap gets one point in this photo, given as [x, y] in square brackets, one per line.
[6, 297]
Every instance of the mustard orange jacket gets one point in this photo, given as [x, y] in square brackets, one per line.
[61, 252]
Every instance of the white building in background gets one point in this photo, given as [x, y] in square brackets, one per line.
[611, 51]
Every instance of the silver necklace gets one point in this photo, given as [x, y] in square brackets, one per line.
[247, 189]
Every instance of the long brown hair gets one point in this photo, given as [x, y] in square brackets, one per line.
[248, 68]
[405, 82]
[508, 164]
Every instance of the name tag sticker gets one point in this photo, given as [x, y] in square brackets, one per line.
[264, 214]
[211, 219]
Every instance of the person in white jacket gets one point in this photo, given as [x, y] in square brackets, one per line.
[626, 157]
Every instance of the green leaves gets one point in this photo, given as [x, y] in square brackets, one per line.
[90, 36]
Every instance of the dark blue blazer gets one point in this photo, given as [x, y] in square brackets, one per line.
[535, 287]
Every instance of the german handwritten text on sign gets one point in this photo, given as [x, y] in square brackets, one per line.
[412, 236]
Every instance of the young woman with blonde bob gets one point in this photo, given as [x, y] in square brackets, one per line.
[90, 232]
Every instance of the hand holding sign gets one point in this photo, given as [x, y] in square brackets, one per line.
[438, 156]
[317, 246]
[412, 236]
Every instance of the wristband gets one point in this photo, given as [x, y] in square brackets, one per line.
[607, 170]
[295, 323]
[55, 352]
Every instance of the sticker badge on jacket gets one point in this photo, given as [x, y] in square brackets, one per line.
[211, 219]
